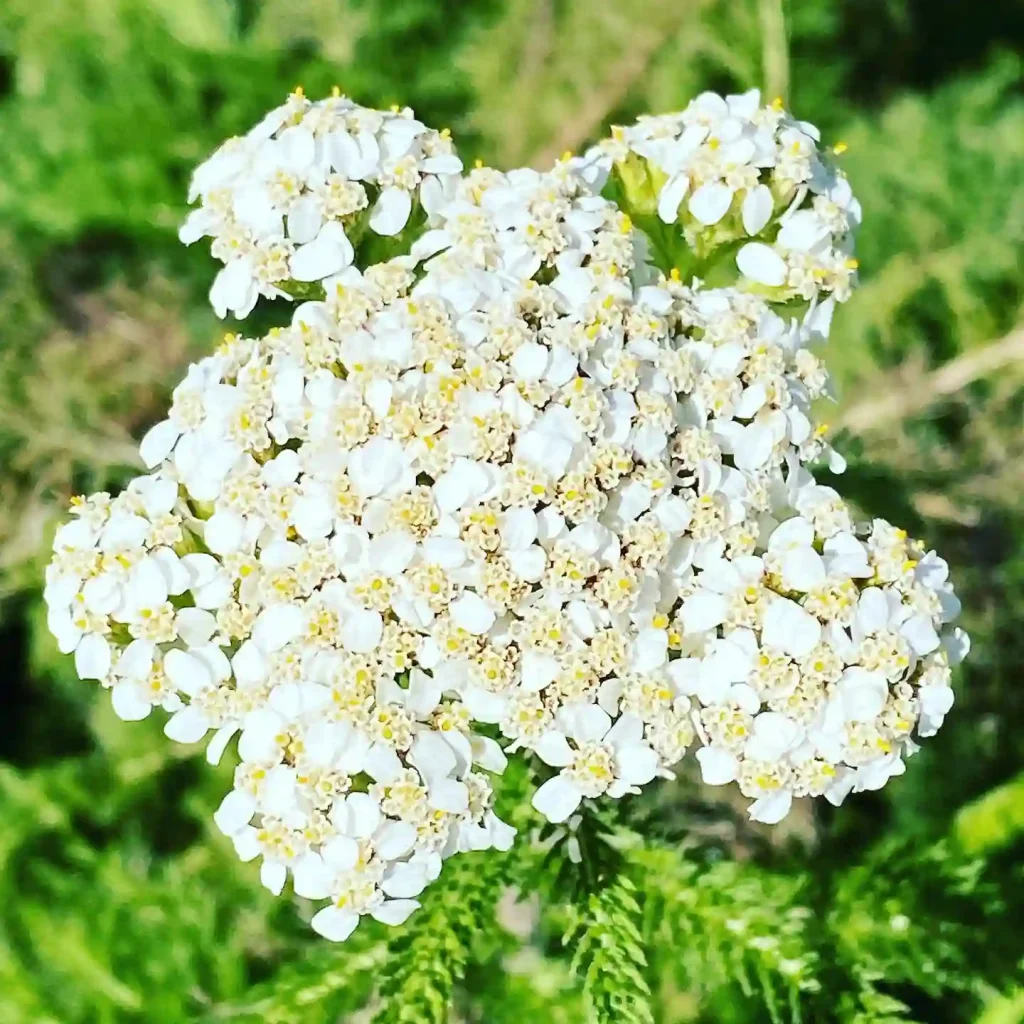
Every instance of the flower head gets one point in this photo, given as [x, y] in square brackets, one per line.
[823, 656]
[287, 203]
[512, 483]
[728, 170]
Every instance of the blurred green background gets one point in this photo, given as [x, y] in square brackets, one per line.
[117, 900]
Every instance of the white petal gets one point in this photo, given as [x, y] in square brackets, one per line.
[717, 767]
[250, 665]
[158, 442]
[234, 288]
[394, 912]
[311, 878]
[258, 741]
[770, 810]
[588, 723]
[343, 152]
[329, 253]
[404, 880]
[553, 749]
[527, 563]
[472, 613]
[365, 815]
[637, 764]
[761, 263]
[628, 731]
[277, 626]
[443, 163]
[802, 569]
[395, 839]
[557, 799]
[430, 243]
[449, 795]
[703, 611]
[362, 630]
[424, 693]
[529, 362]
[538, 669]
[802, 231]
[334, 924]
[92, 657]
[757, 209]
[136, 660]
[788, 628]
[216, 747]
[223, 532]
[189, 725]
[128, 703]
[711, 202]
[273, 876]
[341, 853]
[304, 219]
[434, 758]
[671, 196]
[391, 212]
[195, 626]
[102, 595]
[376, 465]
[382, 764]
[235, 811]
[936, 702]
[483, 705]
[957, 645]
[247, 846]
[488, 755]
[920, 634]
[863, 694]
[650, 650]
[774, 735]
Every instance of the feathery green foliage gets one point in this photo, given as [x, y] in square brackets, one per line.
[429, 956]
[610, 956]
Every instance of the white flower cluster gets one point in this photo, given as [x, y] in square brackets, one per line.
[357, 775]
[289, 202]
[729, 169]
[816, 658]
[511, 484]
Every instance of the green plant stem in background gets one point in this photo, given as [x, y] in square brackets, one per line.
[775, 48]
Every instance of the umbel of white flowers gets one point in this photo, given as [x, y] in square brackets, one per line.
[514, 490]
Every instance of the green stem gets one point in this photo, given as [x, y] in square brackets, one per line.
[775, 48]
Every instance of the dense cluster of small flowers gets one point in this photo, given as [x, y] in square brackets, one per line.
[728, 170]
[289, 202]
[814, 660]
[355, 776]
[512, 485]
